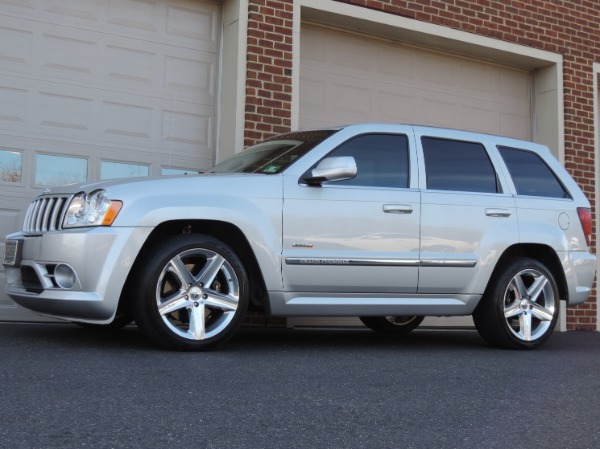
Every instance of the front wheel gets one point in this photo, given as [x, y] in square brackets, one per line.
[396, 325]
[520, 307]
[192, 292]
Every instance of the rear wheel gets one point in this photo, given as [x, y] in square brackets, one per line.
[520, 307]
[192, 293]
[397, 325]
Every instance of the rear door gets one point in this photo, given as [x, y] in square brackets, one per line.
[468, 217]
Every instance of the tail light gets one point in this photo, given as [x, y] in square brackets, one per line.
[585, 217]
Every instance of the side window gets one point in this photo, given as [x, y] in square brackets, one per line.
[531, 175]
[381, 160]
[458, 165]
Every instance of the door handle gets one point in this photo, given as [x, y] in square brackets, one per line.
[397, 208]
[491, 212]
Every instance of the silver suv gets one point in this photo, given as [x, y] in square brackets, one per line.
[389, 223]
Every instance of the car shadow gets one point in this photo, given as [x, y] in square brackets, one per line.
[72, 336]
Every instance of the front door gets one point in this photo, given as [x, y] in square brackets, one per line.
[360, 235]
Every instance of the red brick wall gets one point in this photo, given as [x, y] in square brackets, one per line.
[571, 28]
[269, 70]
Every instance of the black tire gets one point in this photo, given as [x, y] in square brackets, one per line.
[520, 307]
[119, 322]
[192, 292]
[393, 325]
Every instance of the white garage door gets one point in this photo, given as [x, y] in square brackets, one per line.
[351, 78]
[97, 89]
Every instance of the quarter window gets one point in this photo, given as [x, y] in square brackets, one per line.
[458, 165]
[381, 160]
[531, 175]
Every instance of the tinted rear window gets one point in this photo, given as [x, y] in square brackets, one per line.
[458, 165]
[531, 175]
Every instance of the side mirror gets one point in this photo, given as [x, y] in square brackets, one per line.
[332, 169]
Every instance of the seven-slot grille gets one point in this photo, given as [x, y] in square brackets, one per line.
[45, 214]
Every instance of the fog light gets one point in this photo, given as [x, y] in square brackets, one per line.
[64, 276]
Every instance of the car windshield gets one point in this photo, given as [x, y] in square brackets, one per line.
[274, 155]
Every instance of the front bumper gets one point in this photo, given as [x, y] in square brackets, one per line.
[100, 258]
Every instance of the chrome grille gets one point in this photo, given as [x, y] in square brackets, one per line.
[45, 214]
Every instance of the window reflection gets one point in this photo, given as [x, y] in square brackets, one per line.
[11, 163]
[59, 170]
[112, 170]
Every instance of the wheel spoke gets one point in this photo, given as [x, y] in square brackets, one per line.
[525, 325]
[176, 302]
[537, 287]
[197, 326]
[519, 287]
[177, 267]
[513, 311]
[227, 303]
[211, 269]
[541, 312]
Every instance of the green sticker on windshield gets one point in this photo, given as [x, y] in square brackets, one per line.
[272, 169]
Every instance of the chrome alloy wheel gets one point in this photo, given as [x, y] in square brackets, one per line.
[529, 304]
[197, 294]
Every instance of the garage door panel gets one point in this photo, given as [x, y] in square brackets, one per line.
[362, 76]
[437, 110]
[185, 75]
[196, 22]
[81, 9]
[14, 104]
[395, 107]
[478, 116]
[66, 53]
[20, 51]
[514, 123]
[18, 5]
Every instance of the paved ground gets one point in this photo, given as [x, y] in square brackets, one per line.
[66, 387]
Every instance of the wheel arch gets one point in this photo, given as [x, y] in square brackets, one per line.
[224, 231]
[543, 254]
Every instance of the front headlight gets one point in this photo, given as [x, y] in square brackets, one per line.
[94, 209]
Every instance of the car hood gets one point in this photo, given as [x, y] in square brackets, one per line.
[152, 185]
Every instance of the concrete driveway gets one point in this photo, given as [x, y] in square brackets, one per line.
[66, 387]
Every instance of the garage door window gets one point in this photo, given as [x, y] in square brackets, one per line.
[11, 163]
[53, 170]
[459, 166]
[113, 170]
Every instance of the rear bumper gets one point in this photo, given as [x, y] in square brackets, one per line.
[580, 270]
